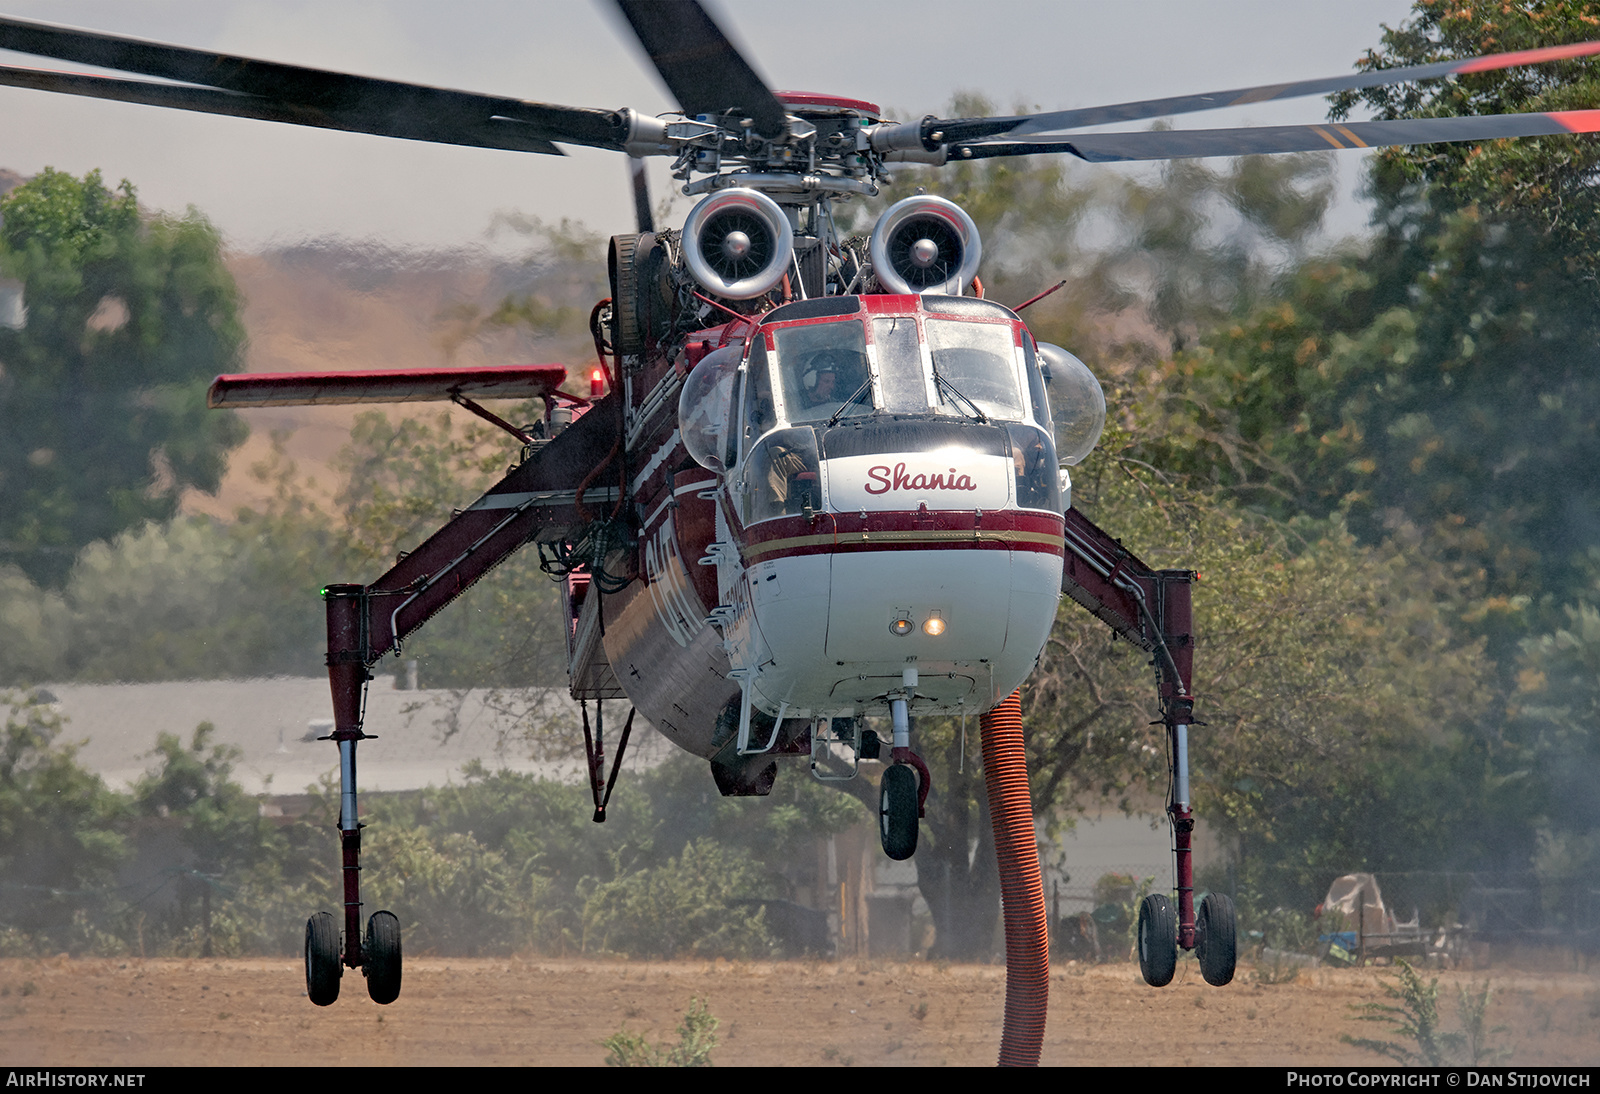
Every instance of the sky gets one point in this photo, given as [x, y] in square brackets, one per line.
[271, 184]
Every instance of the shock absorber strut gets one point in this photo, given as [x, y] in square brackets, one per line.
[347, 678]
[1175, 659]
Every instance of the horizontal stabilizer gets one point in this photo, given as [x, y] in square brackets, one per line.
[395, 385]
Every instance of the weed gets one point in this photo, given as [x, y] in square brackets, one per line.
[30, 988]
[1415, 1015]
[697, 1037]
[920, 1010]
[1276, 967]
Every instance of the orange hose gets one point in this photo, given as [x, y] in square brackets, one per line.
[1005, 773]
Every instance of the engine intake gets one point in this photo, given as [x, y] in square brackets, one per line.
[925, 244]
[738, 243]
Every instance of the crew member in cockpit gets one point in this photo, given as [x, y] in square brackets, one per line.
[826, 387]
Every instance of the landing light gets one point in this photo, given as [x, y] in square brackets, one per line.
[934, 626]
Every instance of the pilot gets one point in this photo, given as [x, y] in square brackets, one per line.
[826, 388]
[835, 374]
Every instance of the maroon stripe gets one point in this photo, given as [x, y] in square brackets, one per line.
[848, 533]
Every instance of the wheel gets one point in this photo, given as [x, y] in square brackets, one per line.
[1215, 944]
[1158, 940]
[322, 959]
[383, 957]
[897, 812]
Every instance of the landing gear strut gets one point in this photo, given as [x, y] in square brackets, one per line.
[379, 958]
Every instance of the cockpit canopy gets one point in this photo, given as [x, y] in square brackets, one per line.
[968, 361]
[818, 363]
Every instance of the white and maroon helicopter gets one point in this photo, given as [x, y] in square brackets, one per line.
[816, 478]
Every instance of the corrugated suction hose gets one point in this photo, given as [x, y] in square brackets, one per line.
[1005, 772]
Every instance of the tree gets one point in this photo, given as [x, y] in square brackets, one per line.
[1443, 374]
[1547, 183]
[103, 423]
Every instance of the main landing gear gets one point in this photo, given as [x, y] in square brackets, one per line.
[1212, 931]
[378, 955]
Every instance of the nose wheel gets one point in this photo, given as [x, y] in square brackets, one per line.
[897, 812]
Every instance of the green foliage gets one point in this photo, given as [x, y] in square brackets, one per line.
[1200, 245]
[1341, 701]
[242, 883]
[1553, 713]
[688, 906]
[103, 422]
[61, 834]
[1543, 183]
[1439, 377]
[697, 1038]
[200, 598]
[1415, 1016]
[1442, 382]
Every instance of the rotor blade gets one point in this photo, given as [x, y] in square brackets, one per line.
[394, 385]
[701, 68]
[1172, 144]
[963, 129]
[304, 96]
[500, 133]
[641, 196]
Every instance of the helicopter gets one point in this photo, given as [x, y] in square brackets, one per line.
[815, 478]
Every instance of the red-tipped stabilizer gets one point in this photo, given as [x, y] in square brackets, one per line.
[1005, 773]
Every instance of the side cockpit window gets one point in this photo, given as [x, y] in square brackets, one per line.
[760, 413]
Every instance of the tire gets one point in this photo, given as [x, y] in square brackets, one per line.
[897, 812]
[1215, 939]
[1158, 940]
[383, 957]
[323, 968]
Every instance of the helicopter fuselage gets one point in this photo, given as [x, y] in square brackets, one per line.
[904, 512]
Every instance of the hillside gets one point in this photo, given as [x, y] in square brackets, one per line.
[342, 305]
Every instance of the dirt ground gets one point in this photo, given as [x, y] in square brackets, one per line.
[126, 1013]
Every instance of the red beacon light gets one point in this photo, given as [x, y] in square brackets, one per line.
[597, 383]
